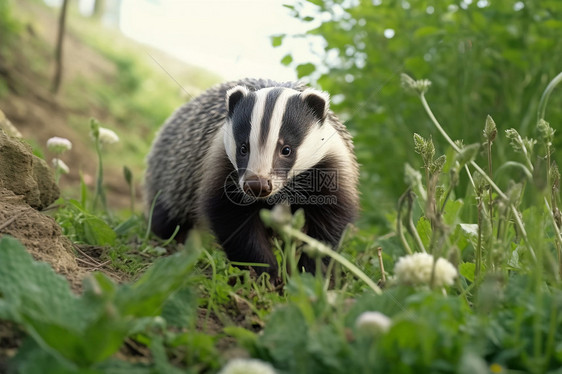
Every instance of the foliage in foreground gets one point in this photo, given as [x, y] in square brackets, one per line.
[503, 313]
[81, 331]
[496, 220]
[500, 313]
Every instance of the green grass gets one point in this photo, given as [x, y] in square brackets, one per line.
[192, 309]
[186, 309]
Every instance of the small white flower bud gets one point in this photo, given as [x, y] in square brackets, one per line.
[60, 166]
[247, 366]
[58, 145]
[373, 322]
[416, 270]
[107, 136]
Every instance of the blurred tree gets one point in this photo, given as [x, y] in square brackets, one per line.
[109, 11]
[58, 52]
[99, 8]
[483, 57]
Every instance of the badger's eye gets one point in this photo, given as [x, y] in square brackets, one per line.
[243, 150]
[286, 151]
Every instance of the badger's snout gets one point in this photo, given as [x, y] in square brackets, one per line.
[257, 186]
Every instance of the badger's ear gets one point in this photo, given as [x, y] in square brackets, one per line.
[317, 101]
[233, 97]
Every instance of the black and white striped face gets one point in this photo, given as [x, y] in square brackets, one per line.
[273, 134]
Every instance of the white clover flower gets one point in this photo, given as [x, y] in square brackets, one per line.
[58, 145]
[60, 166]
[247, 366]
[107, 136]
[416, 270]
[373, 322]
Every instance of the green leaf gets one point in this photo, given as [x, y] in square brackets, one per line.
[427, 31]
[179, 309]
[451, 212]
[467, 154]
[277, 40]
[97, 232]
[162, 365]
[124, 227]
[287, 60]
[304, 70]
[245, 338]
[32, 359]
[128, 175]
[286, 353]
[470, 232]
[89, 328]
[417, 65]
[147, 295]
[83, 190]
[466, 269]
[424, 230]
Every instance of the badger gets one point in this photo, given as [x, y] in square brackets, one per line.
[249, 145]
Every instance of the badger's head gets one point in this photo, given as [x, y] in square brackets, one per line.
[273, 134]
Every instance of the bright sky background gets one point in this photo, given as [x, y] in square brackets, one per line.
[229, 37]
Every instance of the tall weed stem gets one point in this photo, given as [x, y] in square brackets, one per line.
[546, 94]
[100, 192]
[502, 195]
[490, 202]
[478, 266]
[399, 227]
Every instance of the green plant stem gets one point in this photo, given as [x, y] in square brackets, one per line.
[171, 238]
[558, 239]
[537, 325]
[150, 213]
[381, 265]
[490, 203]
[132, 193]
[519, 165]
[210, 305]
[326, 251]
[330, 275]
[550, 341]
[470, 177]
[479, 244]
[399, 227]
[445, 199]
[546, 94]
[57, 176]
[484, 175]
[100, 192]
[411, 227]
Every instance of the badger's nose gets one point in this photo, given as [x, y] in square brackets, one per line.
[256, 186]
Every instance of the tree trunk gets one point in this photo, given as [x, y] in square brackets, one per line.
[99, 9]
[58, 52]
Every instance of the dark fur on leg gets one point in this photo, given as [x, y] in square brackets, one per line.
[325, 222]
[164, 226]
[241, 233]
[236, 221]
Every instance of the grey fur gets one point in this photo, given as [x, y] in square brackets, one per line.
[183, 144]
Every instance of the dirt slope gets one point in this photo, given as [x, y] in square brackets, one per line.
[39, 114]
